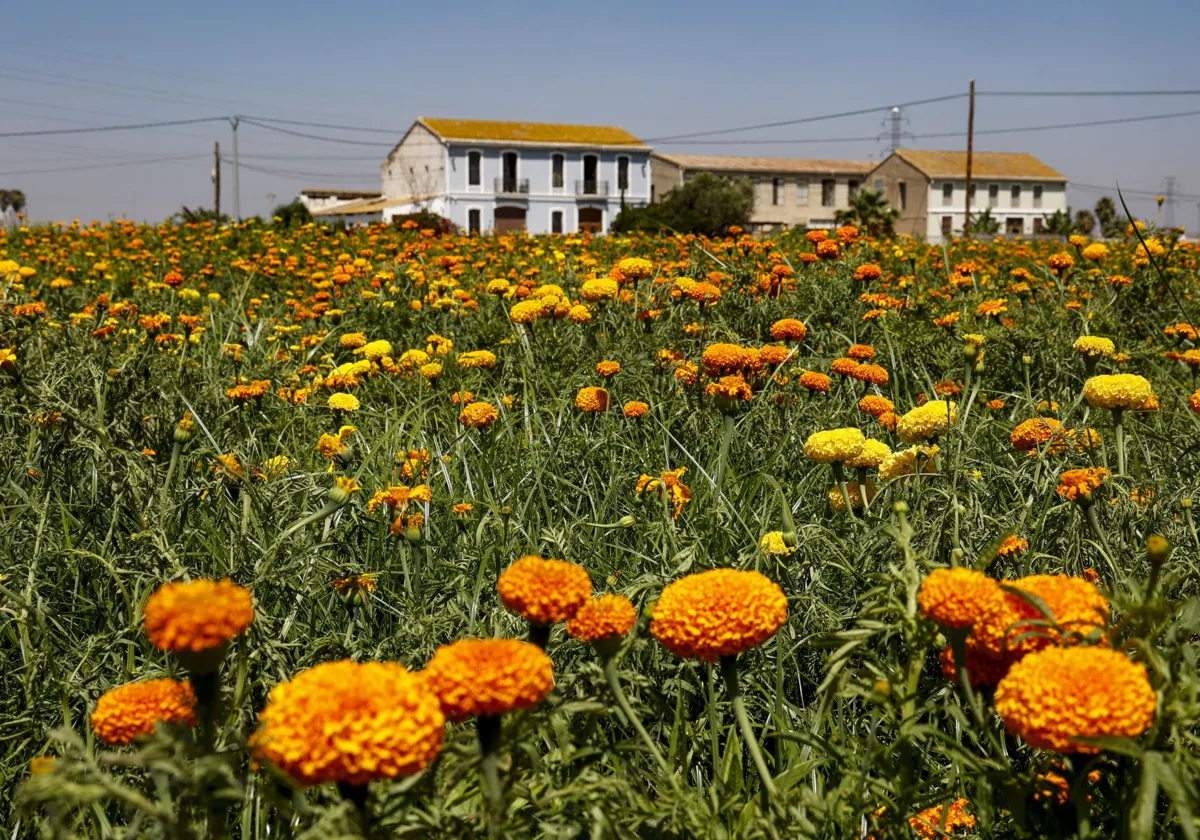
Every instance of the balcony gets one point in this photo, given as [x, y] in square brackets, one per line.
[591, 187]
[512, 186]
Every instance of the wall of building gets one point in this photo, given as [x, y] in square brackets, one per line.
[664, 177]
[801, 199]
[417, 166]
[1028, 211]
[534, 165]
[914, 214]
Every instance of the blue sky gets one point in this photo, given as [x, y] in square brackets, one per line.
[657, 69]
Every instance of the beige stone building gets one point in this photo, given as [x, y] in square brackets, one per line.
[929, 189]
[788, 192]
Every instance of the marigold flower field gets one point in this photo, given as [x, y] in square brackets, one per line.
[386, 533]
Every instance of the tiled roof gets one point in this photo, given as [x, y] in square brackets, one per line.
[324, 193]
[733, 163]
[544, 134]
[983, 165]
[373, 205]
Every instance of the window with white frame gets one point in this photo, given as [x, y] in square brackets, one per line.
[1016, 195]
[828, 192]
[777, 191]
[802, 192]
[557, 165]
[622, 173]
[1037, 195]
[947, 194]
[556, 221]
[474, 220]
[474, 169]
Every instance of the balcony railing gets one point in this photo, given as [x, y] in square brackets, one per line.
[512, 186]
[591, 187]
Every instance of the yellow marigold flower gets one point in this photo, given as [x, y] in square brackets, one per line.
[398, 498]
[488, 677]
[431, 371]
[772, 545]
[350, 722]
[1078, 485]
[1094, 346]
[789, 329]
[333, 445]
[925, 421]
[477, 359]
[579, 314]
[1060, 262]
[730, 388]
[592, 399]
[1012, 545]
[931, 824]
[544, 591]
[1011, 626]
[1117, 391]
[855, 491]
[128, 711]
[973, 341]
[462, 508]
[608, 368]
[635, 408]
[599, 289]
[834, 445]
[722, 612]
[635, 268]
[343, 402]
[8, 358]
[904, 462]
[874, 405]
[272, 468]
[669, 485]
[606, 617]
[498, 287]
[828, 249]
[353, 585]
[992, 308]
[1056, 696]
[478, 415]
[351, 341]
[1194, 401]
[1095, 252]
[525, 311]
[198, 615]
[870, 456]
[815, 382]
[956, 597]
[376, 350]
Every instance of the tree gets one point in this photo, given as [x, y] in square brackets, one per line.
[707, 204]
[1085, 222]
[13, 200]
[1106, 213]
[287, 215]
[869, 212]
[201, 214]
[983, 223]
[1060, 223]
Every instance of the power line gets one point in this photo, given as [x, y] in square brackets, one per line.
[102, 165]
[289, 131]
[46, 132]
[1090, 93]
[335, 126]
[802, 120]
[298, 174]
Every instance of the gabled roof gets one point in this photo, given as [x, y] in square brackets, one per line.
[531, 133]
[735, 163]
[1010, 165]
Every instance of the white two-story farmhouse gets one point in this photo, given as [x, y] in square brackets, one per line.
[491, 176]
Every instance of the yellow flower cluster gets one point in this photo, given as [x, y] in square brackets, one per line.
[592, 400]
[905, 461]
[926, 421]
[478, 415]
[1095, 346]
[832, 445]
[1117, 391]
[772, 544]
[722, 612]
[350, 722]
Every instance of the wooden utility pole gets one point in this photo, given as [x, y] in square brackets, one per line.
[216, 179]
[970, 155]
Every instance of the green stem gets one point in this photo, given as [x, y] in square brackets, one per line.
[487, 727]
[729, 670]
[1089, 512]
[614, 685]
[1118, 421]
[727, 429]
[839, 475]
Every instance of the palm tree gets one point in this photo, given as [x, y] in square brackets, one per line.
[1106, 214]
[869, 212]
[12, 200]
[1060, 223]
[1085, 222]
[985, 224]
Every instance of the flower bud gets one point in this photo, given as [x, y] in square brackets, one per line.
[627, 521]
[1158, 549]
[185, 429]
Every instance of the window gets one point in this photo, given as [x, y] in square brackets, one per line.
[1037, 195]
[879, 184]
[947, 195]
[903, 195]
[973, 194]
[802, 192]
[1016, 195]
[474, 217]
[828, 190]
[556, 221]
[622, 173]
[508, 165]
[474, 169]
[851, 189]
[556, 171]
[652, 193]
[993, 195]
[1039, 225]
[777, 191]
[1014, 225]
[947, 225]
[589, 185]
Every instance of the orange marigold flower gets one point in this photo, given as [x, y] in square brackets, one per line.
[1013, 626]
[774, 354]
[350, 722]
[867, 272]
[1194, 401]
[1056, 696]
[592, 399]
[608, 368]
[815, 236]
[1060, 262]
[1031, 434]
[844, 366]
[875, 405]
[982, 669]
[478, 415]
[544, 591]
[815, 382]
[956, 597]
[128, 711]
[488, 677]
[789, 329]
[635, 408]
[871, 374]
[669, 485]
[847, 234]
[828, 249]
[732, 388]
[932, 823]
[992, 308]
[861, 352]
[1012, 545]
[722, 612]
[606, 617]
[1078, 485]
[198, 615]
[723, 358]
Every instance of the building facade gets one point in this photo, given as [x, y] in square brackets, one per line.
[788, 192]
[492, 176]
[929, 188]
